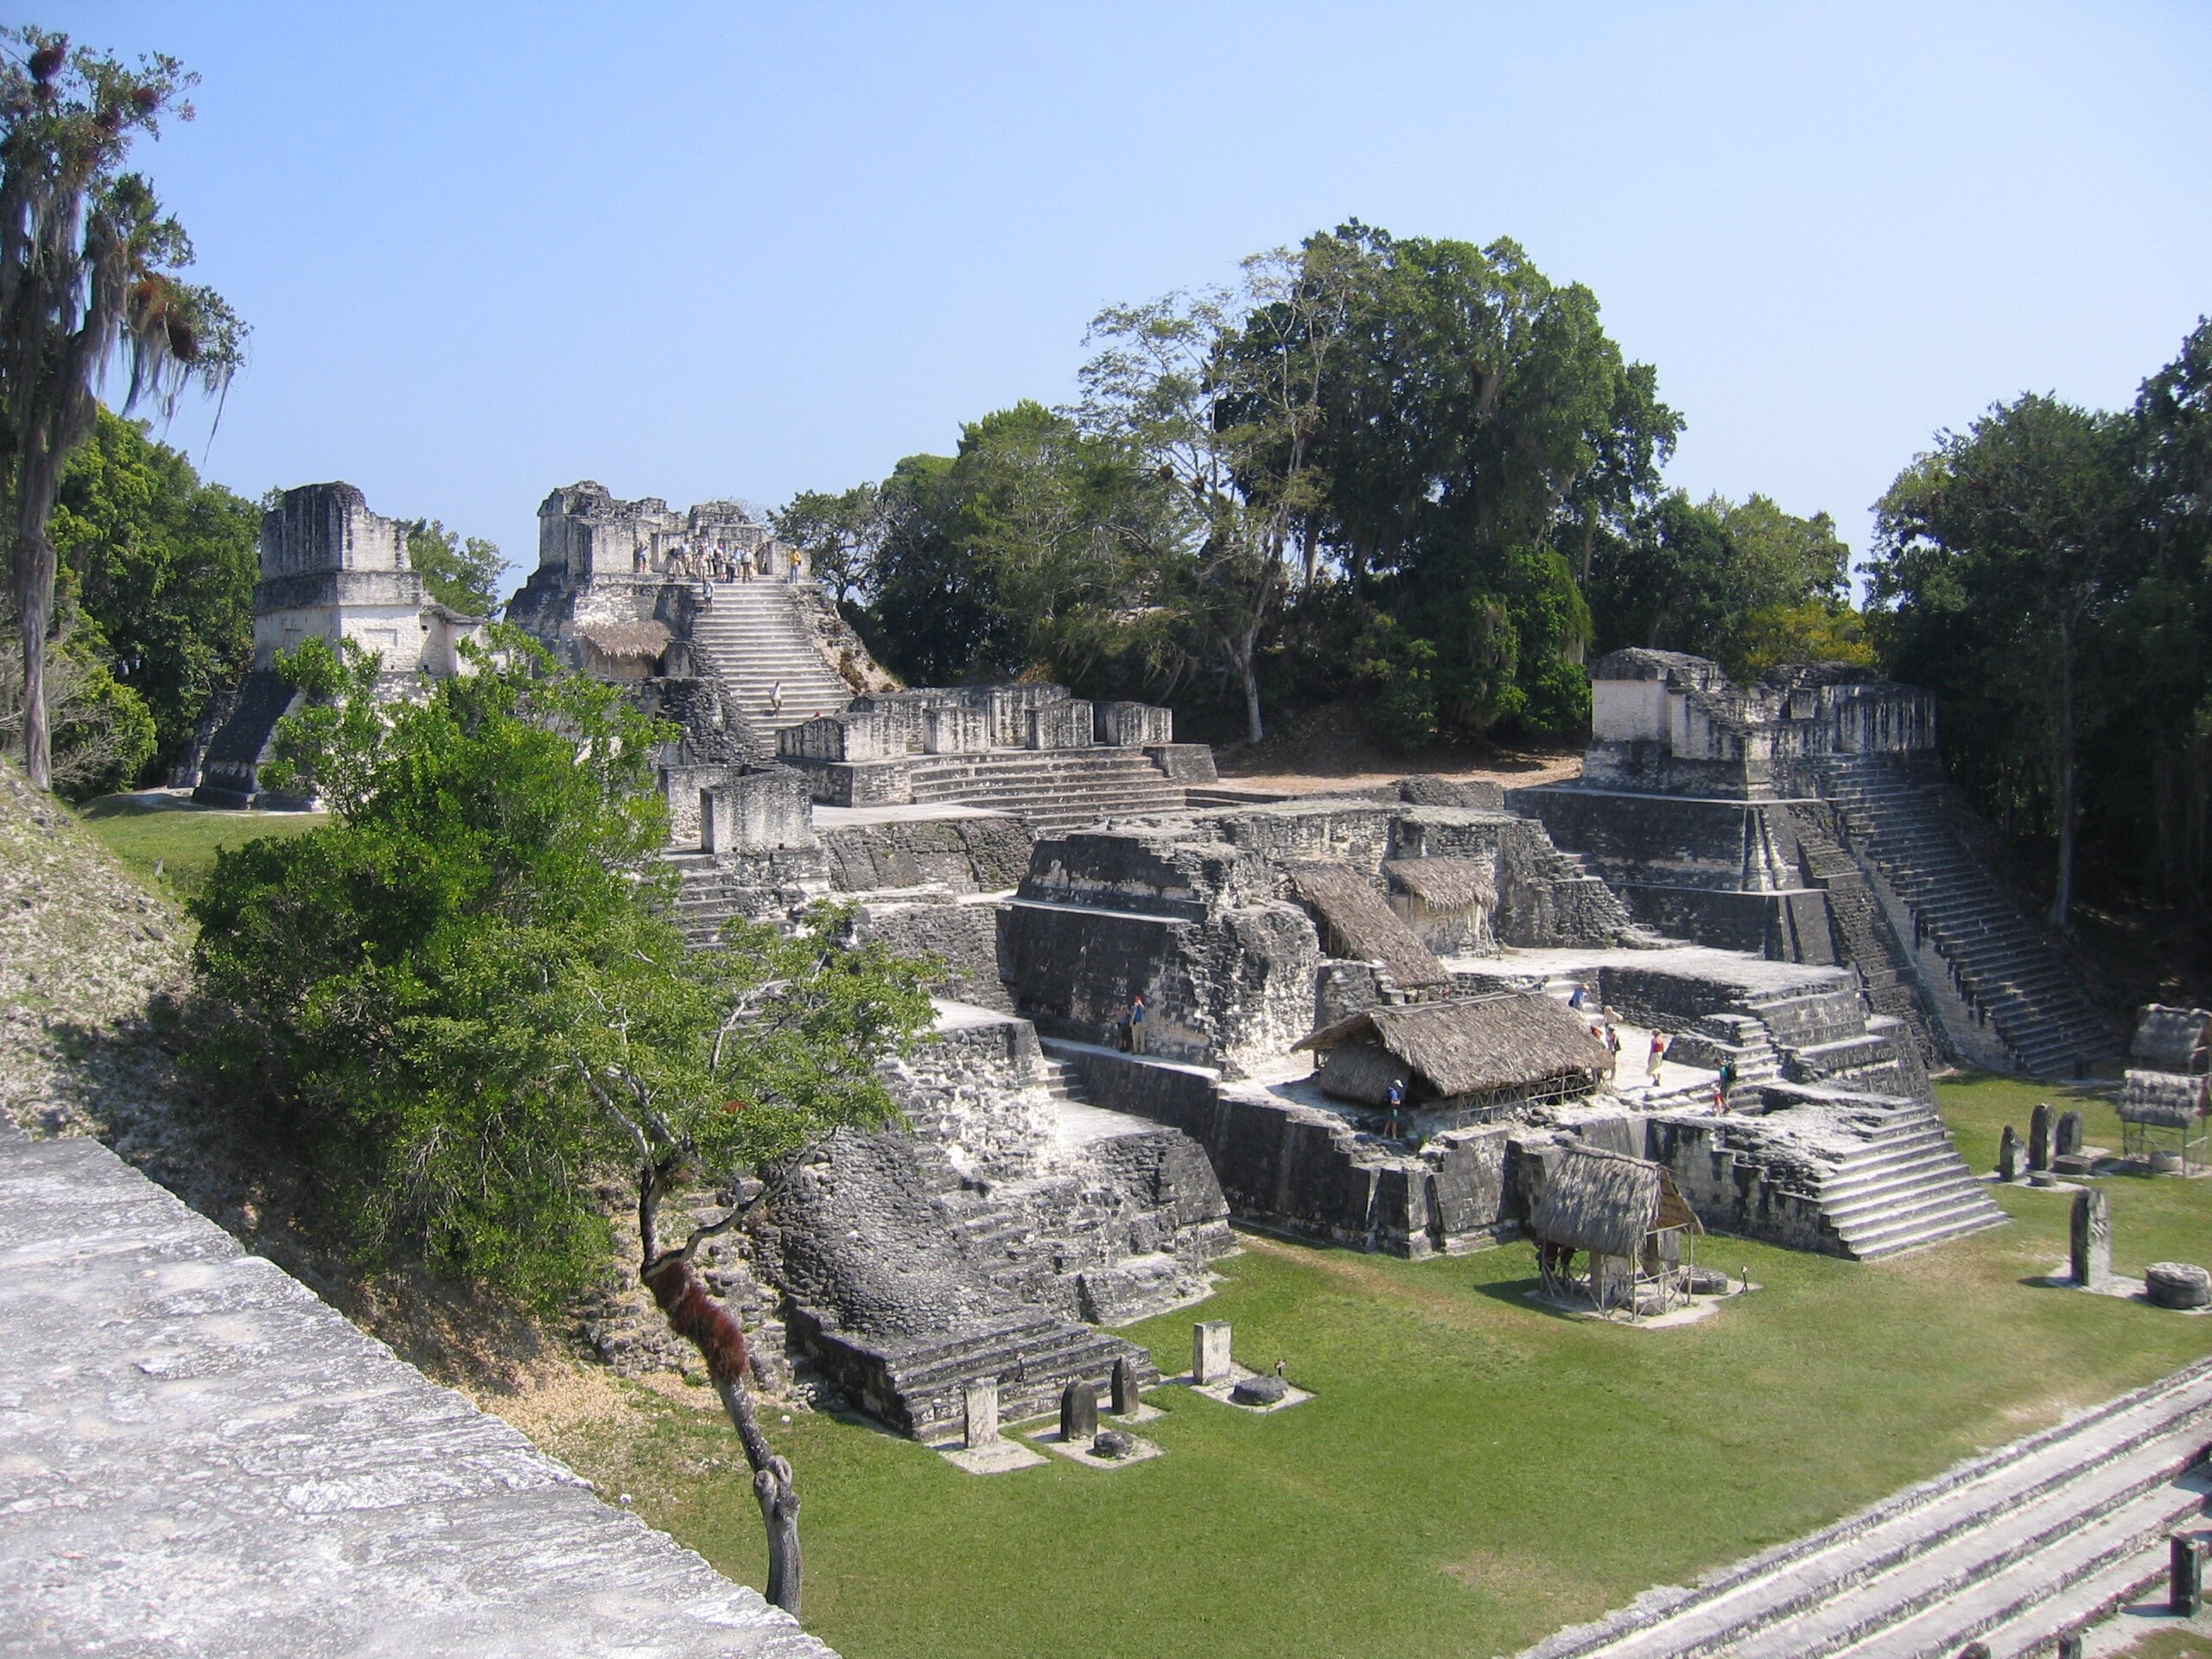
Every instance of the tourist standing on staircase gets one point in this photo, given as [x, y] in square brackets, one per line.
[776, 699]
[1658, 1055]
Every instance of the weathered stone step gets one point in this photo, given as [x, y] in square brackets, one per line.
[2026, 1517]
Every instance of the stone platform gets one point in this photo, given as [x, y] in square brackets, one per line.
[197, 1457]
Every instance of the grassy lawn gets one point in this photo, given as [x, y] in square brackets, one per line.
[173, 845]
[1474, 1472]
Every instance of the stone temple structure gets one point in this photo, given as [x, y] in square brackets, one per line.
[1137, 967]
[1805, 818]
[330, 570]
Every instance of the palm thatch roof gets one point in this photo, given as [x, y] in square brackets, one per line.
[626, 641]
[1608, 1202]
[2164, 1098]
[1514, 1041]
[1445, 883]
[1356, 924]
[2173, 1039]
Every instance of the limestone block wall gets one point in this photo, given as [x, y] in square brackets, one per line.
[1738, 1185]
[1239, 987]
[756, 811]
[956, 731]
[1135, 725]
[973, 854]
[1184, 763]
[1303, 1170]
[960, 934]
[977, 1091]
[1060, 726]
[1357, 833]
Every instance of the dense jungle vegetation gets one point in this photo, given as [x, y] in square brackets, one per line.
[1418, 473]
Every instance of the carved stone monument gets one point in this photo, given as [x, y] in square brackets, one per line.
[1209, 1351]
[2039, 1136]
[1078, 1414]
[981, 1400]
[2092, 1256]
[2008, 1155]
[1125, 1386]
[2069, 1140]
[2185, 1574]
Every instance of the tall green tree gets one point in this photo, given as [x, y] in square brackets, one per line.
[1220, 395]
[465, 1000]
[462, 575]
[1744, 583]
[2001, 556]
[89, 265]
[1483, 436]
[2168, 626]
[162, 568]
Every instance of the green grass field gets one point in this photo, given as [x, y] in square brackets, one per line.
[1474, 1471]
[174, 846]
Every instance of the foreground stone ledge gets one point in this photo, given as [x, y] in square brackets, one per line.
[197, 1457]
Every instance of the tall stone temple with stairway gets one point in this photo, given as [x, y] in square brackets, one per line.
[331, 570]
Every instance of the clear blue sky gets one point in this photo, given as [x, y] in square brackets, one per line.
[704, 250]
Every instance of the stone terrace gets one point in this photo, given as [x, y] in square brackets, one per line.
[198, 1457]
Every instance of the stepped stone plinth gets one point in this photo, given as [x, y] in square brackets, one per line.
[1032, 751]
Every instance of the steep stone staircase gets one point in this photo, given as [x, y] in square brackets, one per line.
[711, 891]
[1824, 1035]
[1868, 945]
[2015, 1548]
[1048, 789]
[1738, 1037]
[2002, 964]
[1907, 1188]
[753, 636]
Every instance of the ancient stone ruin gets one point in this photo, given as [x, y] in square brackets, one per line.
[1805, 818]
[1375, 1017]
[332, 570]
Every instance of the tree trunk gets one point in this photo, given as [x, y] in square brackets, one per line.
[34, 571]
[1242, 653]
[695, 1315]
[2062, 896]
[773, 1489]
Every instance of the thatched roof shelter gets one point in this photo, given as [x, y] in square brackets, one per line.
[1516, 1045]
[2166, 1098]
[1445, 883]
[626, 641]
[1356, 924]
[2173, 1039]
[1608, 1203]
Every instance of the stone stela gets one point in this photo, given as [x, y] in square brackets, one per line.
[980, 1401]
[2091, 1238]
[1210, 1361]
[1079, 1413]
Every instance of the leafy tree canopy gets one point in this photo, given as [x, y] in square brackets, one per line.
[1743, 583]
[2004, 557]
[90, 270]
[161, 569]
[463, 575]
[464, 996]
